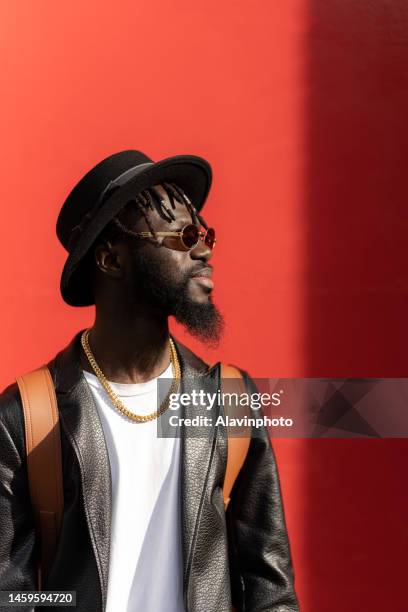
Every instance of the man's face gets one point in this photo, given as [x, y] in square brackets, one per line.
[175, 282]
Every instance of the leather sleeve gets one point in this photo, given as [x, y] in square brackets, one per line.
[262, 576]
[17, 532]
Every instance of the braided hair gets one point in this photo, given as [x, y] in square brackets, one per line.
[149, 199]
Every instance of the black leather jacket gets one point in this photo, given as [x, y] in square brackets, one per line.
[238, 558]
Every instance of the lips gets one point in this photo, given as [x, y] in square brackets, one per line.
[203, 278]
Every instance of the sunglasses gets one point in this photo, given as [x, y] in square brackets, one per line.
[187, 238]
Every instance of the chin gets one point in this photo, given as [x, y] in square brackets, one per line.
[201, 296]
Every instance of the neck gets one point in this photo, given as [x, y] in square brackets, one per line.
[129, 348]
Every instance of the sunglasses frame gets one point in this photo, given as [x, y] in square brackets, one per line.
[201, 235]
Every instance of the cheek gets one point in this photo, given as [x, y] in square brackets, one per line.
[180, 261]
[178, 265]
[168, 262]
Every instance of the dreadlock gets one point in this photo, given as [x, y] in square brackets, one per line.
[149, 199]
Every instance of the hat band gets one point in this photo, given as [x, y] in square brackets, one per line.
[119, 181]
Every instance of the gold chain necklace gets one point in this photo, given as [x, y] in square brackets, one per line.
[112, 395]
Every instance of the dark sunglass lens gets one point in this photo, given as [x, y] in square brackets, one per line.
[210, 238]
[190, 236]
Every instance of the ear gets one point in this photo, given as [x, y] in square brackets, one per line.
[109, 258]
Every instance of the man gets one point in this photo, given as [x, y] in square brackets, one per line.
[144, 526]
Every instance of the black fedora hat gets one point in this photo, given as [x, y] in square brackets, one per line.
[103, 192]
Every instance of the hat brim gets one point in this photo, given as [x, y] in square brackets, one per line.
[192, 173]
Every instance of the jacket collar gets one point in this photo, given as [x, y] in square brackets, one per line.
[81, 423]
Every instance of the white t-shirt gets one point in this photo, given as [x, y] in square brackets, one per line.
[145, 570]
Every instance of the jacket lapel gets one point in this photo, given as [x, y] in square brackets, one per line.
[197, 452]
[81, 424]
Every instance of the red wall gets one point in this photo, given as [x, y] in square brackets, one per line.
[300, 106]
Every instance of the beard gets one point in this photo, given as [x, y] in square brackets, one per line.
[161, 291]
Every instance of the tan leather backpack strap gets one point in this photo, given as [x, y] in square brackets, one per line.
[44, 465]
[237, 447]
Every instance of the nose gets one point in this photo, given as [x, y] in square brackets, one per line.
[201, 251]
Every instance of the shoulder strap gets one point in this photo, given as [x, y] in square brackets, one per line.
[237, 447]
[44, 465]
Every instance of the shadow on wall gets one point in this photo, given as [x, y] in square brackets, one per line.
[357, 295]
